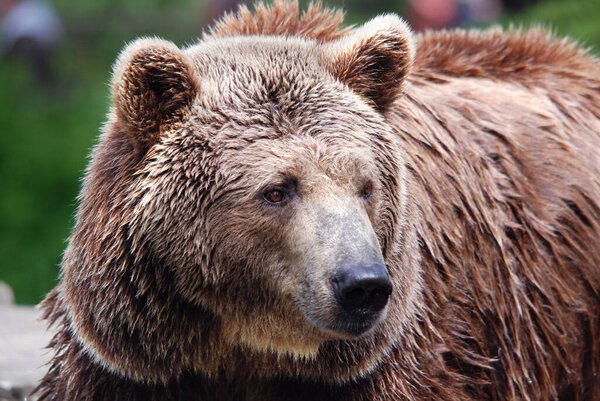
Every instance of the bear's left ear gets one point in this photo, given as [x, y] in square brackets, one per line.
[374, 60]
[153, 85]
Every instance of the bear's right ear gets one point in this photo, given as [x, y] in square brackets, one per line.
[153, 85]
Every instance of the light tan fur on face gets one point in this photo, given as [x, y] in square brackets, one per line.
[329, 185]
[331, 229]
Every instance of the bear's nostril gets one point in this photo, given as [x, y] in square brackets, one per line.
[379, 297]
[355, 295]
[363, 289]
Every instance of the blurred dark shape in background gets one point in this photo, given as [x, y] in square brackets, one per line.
[46, 135]
[443, 14]
[432, 14]
[516, 5]
[217, 8]
[30, 29]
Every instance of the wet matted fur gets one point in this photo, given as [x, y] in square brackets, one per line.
[483, 148]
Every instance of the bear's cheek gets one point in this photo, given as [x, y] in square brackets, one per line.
[280, 328]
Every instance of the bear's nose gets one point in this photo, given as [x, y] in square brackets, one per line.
[363, 289]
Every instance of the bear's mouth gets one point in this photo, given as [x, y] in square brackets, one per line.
[344, 325]
[358, 323]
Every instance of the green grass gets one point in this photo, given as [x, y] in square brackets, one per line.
[47, 133]
[45, 138]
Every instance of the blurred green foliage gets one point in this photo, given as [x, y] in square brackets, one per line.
[46, 132]
[578, 19]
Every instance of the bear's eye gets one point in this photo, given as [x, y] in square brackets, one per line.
[367, 190]
[274, 196]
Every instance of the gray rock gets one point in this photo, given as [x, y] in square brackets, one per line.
[12, 395]
[23, 353]
[6, 296]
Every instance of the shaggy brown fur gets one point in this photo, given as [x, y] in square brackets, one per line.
[180, 283]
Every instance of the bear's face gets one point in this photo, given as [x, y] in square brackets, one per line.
[272, 188]
[300, 209]
[301, 203]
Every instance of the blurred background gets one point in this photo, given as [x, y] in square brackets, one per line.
[55, 65]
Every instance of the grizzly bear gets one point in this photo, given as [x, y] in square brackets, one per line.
[290, 210]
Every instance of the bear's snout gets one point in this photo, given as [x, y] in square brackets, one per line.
[361, 293]
[363, 289]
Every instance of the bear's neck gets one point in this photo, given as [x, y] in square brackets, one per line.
[74, 376]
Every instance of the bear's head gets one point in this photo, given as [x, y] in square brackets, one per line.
[245, 210]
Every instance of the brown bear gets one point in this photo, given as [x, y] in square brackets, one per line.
[289, 210]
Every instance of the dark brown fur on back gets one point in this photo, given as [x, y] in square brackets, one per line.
[500, 134]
